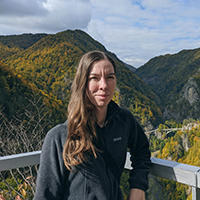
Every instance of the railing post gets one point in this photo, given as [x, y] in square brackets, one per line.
[195, 193]
[196, 190]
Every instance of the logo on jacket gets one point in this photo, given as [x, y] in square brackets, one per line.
[117, 139]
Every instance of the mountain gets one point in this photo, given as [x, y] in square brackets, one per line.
[176, 80]
[49, 63]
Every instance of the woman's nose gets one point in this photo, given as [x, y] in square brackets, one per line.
[103, 83]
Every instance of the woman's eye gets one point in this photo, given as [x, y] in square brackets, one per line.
[93, 78]
[111, 77]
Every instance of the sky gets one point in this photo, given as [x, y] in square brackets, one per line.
[135, 30]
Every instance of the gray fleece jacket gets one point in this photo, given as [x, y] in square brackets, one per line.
[98, 179]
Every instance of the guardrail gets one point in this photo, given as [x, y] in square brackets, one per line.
[182, 173]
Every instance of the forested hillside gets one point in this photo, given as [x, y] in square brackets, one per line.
[176, 80]
[50, 64]
[16, 94]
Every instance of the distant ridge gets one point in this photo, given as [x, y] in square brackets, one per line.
[176, 80]
[133, 69]
[21, 41]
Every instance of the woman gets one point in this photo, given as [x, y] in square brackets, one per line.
[83, 158]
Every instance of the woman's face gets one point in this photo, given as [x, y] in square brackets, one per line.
[101, 83]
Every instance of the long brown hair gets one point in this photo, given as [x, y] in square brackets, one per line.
[81, 113]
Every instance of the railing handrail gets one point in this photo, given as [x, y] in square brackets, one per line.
[182, 173]
[19, 160]
[171, 170]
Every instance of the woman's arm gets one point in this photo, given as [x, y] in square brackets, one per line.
[140, 157]
[52, 175]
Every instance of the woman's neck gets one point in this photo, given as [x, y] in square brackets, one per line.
[101, 116]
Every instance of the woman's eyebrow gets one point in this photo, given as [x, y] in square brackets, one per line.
[112, 73]
[95, 74]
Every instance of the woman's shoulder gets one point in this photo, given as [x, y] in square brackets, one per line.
[57, 133]
[122, 112]
[125, 113]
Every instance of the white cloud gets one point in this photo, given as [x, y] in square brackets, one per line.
[49, 15]
[20, 8]
[138, 30]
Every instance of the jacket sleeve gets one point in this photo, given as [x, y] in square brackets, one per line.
[140, 157]
[52, 175]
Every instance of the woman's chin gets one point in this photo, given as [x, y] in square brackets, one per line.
[101, 104]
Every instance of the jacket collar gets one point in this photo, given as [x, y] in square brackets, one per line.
[113, 109]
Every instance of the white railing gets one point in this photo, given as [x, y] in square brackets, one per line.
[182, 173]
